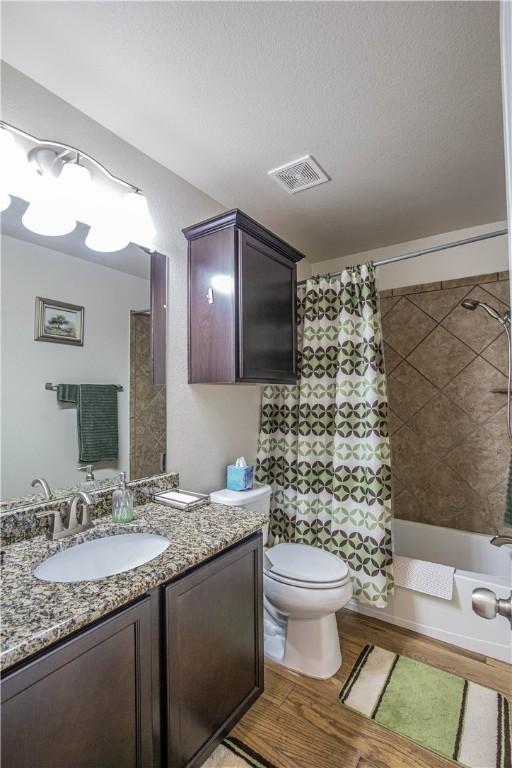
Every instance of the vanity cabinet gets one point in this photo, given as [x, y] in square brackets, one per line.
[87, 703]
[214, 651]
[241, 302]
[157, 684]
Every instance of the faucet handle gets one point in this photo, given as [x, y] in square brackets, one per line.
[56, 524]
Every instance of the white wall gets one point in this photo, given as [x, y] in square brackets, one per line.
[39, 437]
[207, 425]
[475, 259]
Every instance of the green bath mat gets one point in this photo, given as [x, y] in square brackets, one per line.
[460, 720]
[233, 753]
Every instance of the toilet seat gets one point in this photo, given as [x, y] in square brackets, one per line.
[305, 584]
[302, 565]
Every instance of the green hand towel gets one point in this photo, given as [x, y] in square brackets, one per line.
[96, 408]
[67, 393]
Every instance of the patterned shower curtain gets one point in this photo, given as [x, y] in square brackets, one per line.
[324, 445]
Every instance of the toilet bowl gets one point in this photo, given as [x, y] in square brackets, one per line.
[303, 588]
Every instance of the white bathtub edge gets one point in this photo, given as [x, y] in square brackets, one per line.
[484, 647]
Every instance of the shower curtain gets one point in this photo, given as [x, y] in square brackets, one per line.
[324, 445]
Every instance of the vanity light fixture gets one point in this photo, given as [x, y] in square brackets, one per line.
[56, 180]
[14, 169]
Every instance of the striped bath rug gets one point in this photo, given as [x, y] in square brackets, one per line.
[233, 753]
[446, 714]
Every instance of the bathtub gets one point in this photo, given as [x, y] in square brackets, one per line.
[477, 564]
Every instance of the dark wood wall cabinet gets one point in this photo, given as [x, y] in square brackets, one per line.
[241, 302]
[156, 685]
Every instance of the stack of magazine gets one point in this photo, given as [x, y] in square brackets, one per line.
[180, 499]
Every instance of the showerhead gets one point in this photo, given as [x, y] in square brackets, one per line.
[473, 304]
[504, 320]
[469, 304]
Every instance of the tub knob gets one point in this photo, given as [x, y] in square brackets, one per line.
[488, 606]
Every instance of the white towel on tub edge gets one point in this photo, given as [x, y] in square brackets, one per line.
[422, 576]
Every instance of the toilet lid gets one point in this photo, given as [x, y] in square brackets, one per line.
[303, 563]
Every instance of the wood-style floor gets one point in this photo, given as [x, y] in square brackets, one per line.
[298, 722]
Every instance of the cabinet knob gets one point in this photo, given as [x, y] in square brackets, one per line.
[209, 295]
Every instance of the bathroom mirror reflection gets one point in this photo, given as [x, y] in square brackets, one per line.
[74, 316]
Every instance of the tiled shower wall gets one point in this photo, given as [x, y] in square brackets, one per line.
[450, 450]
[147, 405]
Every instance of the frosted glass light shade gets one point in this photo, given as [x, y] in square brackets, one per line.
[49, 213]
[106, 238]
[139, 223]
[75, 187]
[109, 231]
[15, 170]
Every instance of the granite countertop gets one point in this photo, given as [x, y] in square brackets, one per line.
[35, 613]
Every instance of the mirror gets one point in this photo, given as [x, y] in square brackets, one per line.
[73, 316]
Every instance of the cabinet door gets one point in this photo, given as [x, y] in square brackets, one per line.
[214, 637]
[87, 703]
[211, 308]
[267, 330]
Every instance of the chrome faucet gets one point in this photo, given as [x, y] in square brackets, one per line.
[60, 528]
[44, 485]
[85, 501]
[501, 541]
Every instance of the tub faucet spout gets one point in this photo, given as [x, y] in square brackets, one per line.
[500, 541]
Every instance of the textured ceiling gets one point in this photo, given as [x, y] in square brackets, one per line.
[399, 102]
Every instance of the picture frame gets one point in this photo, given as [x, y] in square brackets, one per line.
[59, 322]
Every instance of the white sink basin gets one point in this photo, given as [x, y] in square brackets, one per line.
[98, 558]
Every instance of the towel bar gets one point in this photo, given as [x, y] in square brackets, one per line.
[53, 387]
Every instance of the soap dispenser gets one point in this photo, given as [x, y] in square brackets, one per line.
[90, 483]
[122, 502]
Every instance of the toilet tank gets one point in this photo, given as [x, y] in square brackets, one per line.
[258, 499]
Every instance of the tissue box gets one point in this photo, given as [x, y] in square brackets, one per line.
[240, 478]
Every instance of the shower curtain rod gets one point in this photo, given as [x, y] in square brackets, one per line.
[433, 249]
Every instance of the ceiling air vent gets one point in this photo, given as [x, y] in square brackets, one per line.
[300, 174]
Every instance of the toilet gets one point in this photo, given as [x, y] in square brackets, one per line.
[303, 588]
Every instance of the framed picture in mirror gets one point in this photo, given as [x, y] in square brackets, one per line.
[59, 322]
